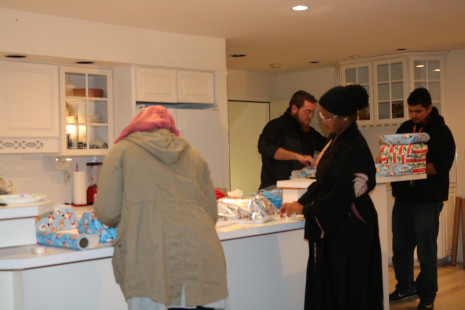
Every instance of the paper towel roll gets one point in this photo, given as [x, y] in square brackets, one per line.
[79, 183]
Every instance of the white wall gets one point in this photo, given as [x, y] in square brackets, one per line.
[454, 114]
[35, 174]
[250, 86]
[316, 82]
[57, 39]
[455, 110]
[274, 87]
[46, 35]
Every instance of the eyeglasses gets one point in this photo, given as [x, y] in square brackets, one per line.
[327, 120]
[308, 111]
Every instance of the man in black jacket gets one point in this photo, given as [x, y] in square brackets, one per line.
[415, 217]
[288, 142]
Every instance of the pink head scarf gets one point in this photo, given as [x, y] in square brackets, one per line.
[150, 118]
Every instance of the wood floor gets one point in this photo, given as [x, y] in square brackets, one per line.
[451, 293]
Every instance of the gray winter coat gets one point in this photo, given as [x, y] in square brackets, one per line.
[157, 189]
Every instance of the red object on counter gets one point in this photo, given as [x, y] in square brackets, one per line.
[219, 194]
[91, 191]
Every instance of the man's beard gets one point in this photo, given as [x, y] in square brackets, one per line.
[304, 126]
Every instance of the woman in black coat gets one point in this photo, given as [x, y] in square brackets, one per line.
[344, 267]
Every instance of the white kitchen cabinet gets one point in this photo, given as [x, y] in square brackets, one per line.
[29, 113]
[389, 81]
[360, 73]
[87, 111]
[156, 85]
[390, 91]
[174, 86]
[386, 84]
[195, 87]
[428, 72]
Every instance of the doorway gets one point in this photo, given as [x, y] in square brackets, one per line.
[246, 122]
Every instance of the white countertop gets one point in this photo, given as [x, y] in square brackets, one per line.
[34, 209]
[24, 257]
[244, 230]
[295, 183]
[418, 176]
[304, 183]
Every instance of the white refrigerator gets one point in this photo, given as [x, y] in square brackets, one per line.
[202, 128]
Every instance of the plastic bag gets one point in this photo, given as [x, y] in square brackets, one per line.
[255, 209]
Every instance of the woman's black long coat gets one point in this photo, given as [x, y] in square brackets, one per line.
[344, 267]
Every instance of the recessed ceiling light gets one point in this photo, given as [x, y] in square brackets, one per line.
[437, 70]
[420, 66]
[238, 55]
[300, 7]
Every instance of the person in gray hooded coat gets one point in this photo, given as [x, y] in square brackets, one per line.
[156, 188]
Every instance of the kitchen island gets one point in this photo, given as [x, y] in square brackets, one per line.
[293, 189]
[266, 267]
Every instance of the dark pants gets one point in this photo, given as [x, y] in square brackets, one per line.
[416, 224]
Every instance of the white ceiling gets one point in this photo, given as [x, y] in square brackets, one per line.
[269, 32]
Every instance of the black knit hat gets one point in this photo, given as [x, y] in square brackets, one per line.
[345, 100]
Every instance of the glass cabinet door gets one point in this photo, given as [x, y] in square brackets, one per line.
[87, 110]
[359, 74]
[427, 73]
[390, 91]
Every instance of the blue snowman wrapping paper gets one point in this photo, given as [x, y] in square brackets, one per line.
[62, 218]
[66, 240]
[56, 229]
[89, 224]
[405, 138]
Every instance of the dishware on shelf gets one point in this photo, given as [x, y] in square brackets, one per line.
[91, 92]
[70, 87]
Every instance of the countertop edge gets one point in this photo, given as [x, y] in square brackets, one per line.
[23, 257]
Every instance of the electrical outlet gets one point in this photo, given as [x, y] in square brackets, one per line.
[62, 163]
[66, 177]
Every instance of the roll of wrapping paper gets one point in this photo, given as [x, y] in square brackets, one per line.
[79, 186]
[68, 241]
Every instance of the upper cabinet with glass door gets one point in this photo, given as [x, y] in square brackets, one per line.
[87, 111]
[360, 73]
[390, 78]
[428, 73]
